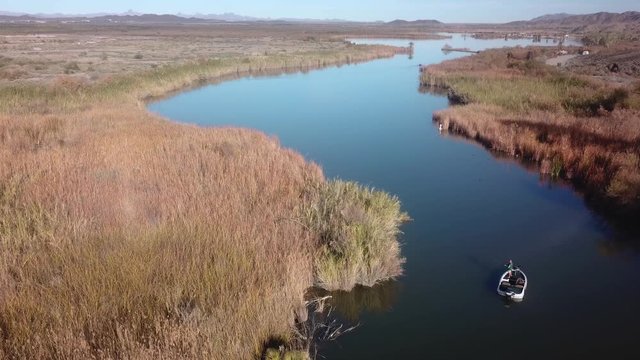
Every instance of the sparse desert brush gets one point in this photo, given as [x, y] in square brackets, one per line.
[71, 67]
[4, 61]
[68, 83]
[12, 74]
[27, 99]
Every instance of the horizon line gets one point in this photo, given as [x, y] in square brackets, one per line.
[257, 18]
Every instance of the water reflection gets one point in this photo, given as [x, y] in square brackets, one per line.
[623, 245]
[619, 224]
[434, 90]
[351, 305]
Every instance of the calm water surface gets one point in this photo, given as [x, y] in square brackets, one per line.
[470, 211]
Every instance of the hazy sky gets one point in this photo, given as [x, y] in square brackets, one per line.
[448, 11]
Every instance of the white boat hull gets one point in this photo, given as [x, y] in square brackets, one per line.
[513, 290]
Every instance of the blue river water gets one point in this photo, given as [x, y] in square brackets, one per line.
[471, 212]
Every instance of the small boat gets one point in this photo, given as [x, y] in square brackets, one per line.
[513, 284]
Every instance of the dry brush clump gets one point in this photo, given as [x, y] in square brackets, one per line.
[357, 229]
[574, 127]
[123, 235]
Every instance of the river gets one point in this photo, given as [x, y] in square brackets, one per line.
[471, 212]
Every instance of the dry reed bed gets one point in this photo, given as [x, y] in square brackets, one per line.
[165, 240]
[573, 127]
[123, 235]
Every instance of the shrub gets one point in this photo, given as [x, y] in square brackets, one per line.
[71, 67]
[68, 83]
[556, 167]
[4, 61]
[625, 184]
[358, 230]
[12, 74]
[275, 354]
[602, 100]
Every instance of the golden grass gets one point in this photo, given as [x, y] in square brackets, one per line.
[123, 235]
[166, 236]
[574, 127]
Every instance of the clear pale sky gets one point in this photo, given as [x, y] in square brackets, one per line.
[448, 11]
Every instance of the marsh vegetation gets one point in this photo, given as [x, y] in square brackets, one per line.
[577, 127]
[123, 235]
[357, 229]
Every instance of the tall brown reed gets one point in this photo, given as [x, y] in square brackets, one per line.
[123, 235]
[574, 127]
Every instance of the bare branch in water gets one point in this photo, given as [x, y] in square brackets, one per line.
[319, 327]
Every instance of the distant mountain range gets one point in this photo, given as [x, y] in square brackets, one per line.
[601, 18]
[221, 17]
[562, 19]
[97, 18]
[131, 16]
[551, 17]
[134, 17]
[415, 22]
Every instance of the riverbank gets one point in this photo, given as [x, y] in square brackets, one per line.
[125, 235]
[89, 53]
[577, 127]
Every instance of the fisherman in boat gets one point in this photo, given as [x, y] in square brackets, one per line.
[510, 268]
[513, 282]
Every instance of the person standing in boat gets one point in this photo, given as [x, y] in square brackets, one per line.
[510, 267]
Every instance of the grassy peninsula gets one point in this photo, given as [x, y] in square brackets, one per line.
[124, 235]
[579, 126]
